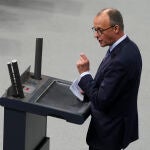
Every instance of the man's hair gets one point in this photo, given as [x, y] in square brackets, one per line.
[114, 16]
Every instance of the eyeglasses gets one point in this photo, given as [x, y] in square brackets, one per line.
[100, 30]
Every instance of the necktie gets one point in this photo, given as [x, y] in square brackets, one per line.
[107, 54]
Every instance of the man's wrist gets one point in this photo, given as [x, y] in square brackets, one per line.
[84, 73]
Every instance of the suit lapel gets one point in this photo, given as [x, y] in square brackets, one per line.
[106, 61]
[119, 47]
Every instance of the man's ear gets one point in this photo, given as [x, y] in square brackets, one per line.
[116, 28]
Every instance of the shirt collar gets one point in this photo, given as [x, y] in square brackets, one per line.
[117, 42]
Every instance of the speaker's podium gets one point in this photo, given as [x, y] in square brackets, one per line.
[30, 99]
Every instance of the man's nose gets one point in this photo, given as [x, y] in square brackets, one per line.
[96, 35]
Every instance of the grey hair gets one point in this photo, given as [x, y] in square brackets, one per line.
[114, 16]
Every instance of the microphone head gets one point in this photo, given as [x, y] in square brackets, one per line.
[14, 61]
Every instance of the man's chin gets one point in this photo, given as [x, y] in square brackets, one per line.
[102, 45]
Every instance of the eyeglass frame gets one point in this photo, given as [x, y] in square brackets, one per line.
[101, 30]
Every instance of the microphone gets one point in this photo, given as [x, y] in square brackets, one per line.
[13, 82]
[38, 58]
[15, 79]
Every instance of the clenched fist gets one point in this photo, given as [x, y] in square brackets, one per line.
[83, 64]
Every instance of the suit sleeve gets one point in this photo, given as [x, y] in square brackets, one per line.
[105, 93]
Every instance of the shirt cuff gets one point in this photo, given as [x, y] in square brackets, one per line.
[84, 73]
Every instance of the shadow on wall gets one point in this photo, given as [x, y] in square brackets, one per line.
[71, 7]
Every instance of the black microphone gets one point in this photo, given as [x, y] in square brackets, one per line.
[17, 78]
[13, 82]
[38, 58]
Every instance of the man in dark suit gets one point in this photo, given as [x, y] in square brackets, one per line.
[114, 90]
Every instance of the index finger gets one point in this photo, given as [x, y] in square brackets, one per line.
[83, 56]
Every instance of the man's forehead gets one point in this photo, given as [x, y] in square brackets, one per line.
[102, 20]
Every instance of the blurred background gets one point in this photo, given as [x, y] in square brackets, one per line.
[65, 26]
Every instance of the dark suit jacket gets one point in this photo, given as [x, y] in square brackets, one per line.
[113, 95]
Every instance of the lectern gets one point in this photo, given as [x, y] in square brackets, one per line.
[30, 99]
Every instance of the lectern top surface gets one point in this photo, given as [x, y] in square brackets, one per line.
[49, 96]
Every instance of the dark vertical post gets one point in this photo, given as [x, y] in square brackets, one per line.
[13, 82]
[17, 78]
[38, 58]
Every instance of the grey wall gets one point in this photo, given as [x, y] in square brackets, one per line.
[65, 26]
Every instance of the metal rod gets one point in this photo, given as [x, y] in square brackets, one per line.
[38, 58]
[13, 82]
[17, 78]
